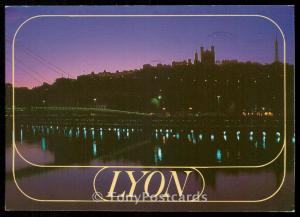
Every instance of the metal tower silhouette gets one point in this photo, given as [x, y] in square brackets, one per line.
[276, 50]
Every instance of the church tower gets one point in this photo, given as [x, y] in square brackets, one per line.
[196, 60]
[208, 56]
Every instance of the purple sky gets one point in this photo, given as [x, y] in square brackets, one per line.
[48, 47]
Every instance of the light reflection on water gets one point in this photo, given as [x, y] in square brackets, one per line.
[160, 146]
[43, 144]
[128, 146]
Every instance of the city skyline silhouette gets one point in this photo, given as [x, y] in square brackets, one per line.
[68, 47]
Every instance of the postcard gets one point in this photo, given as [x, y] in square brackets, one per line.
[150, 108]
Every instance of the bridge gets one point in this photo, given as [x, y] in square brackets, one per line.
[99, 117]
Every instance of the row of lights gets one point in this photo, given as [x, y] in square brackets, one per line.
[258, 114]
[227, 81]
[190, 108]
[194, 80]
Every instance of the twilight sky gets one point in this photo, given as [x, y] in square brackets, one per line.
[47, 47]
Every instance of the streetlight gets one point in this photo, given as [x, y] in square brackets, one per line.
[218, 97]
[95, 101]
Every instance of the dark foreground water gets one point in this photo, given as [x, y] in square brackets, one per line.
[52, 145]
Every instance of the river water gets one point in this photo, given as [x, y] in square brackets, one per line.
[209, 147]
